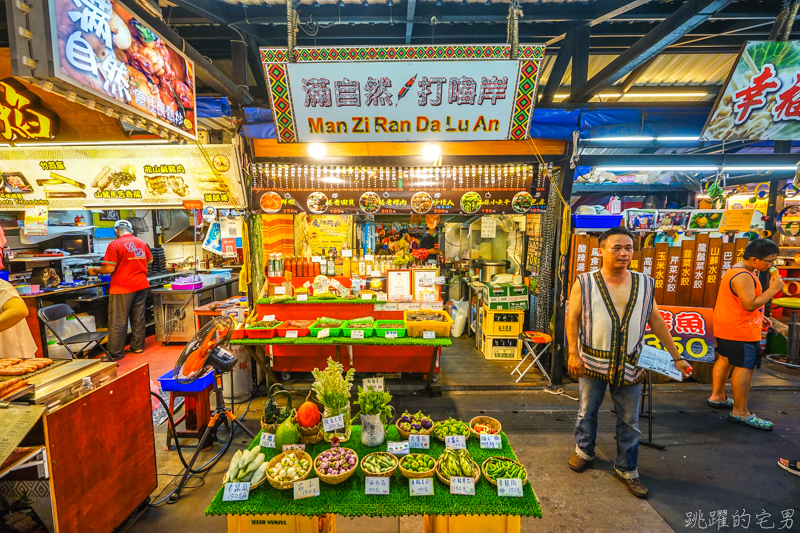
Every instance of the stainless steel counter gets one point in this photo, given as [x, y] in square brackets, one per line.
[168, 304]
[56, 387]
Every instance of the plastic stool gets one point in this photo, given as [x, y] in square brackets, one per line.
[529, 338]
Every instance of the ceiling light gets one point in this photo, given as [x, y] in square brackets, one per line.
[95, 143]
[678, 138]
[488, 3]
[664, 95]
[759, 168]
[431, 151]
[389, 3]
[340, 3]
[632, 138]
[317, 150]
[673, 168]
[438, 2]
[315, 4]
[365, 3]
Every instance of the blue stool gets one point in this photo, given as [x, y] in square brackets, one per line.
[196, 408]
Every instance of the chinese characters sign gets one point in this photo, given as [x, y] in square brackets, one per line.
[21, 114]
[761, 100]
[103, 48]
[412, 93]
[691, 329]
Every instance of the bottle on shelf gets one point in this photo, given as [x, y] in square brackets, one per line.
[323, 263]
[339, 265]
[317, 270]
[68, 274]
[279, 265]
[362, 265]
[331, 262]
[369, 262]
[346, 266]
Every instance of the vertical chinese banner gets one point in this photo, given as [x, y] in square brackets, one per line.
[660, 270]
[728, 255]
[595, 261]
[713, 268]
[685, 278]
[581, 260]
[740, 243]
[699, 274]
[636, 261]
[673, 275]
[648, 255]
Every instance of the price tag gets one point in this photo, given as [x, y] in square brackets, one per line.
[324, 333]
[267, 440]
[457, 442]
[291, 334]
[428, 334]
[307, 488]
[379, 307]
[268, 318]
[357, 334]
[381, 297]
[429, 297]
[391, 334]
[509, 487]
[491, 441]
[439, 280]
[462, 485]
[347, 253]
[390, 307]
[315, 259]
[236, 492]
[419, 442]
[376, 485]
[289, 447]
[307, 284]
[302, 297]
[397, 448]
[333, 423]
[366, 297]
[376, 273]
[375, 383]
[421, 487]
[280, 290]
[369, 257]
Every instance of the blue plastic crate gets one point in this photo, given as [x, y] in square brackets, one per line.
[596, 221]
[169, 384]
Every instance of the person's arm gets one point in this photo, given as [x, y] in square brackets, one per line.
[103, 269]
[660, 329]
[110, 261]
[575, 362]
[13, 311]
[744, 288]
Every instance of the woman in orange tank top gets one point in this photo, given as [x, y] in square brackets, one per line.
[738, 318]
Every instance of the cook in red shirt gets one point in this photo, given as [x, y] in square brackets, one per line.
[126, 260]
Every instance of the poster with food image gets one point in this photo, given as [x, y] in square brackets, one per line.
[640, 219]
[672, 220]
[76, 176]
[522, 202]
[706, 220]
[370, 202]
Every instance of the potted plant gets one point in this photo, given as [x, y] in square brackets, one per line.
[375, 412]
[333, 392]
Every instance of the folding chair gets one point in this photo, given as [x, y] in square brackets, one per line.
[57, 312]
[529, 339]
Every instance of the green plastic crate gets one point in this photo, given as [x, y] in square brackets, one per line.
[316, 328]
[382, 331]
[346, 331]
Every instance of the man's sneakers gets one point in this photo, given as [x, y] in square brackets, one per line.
[636, 487]
[578, 463]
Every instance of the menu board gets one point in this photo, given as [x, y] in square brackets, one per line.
[470, 189]
[398, 284]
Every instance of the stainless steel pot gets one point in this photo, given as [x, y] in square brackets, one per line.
[489, 269]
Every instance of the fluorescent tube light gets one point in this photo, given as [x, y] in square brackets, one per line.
[673, 168]
[760, 167]
[678, 138]
[664, 95]
[93, 143]
[631, 138]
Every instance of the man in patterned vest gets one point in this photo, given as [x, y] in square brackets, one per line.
[609, 310]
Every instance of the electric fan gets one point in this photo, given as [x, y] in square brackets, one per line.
[205, 352]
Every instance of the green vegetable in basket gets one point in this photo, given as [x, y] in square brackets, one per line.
[504, 468]
[456, 463]
[417, 462]
[362, 320]
[378, 463]
[279, 299]
[451, 427]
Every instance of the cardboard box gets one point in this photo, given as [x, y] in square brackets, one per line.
[505, 296]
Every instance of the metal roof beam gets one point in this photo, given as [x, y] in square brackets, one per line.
[611, 9]
[557, 72]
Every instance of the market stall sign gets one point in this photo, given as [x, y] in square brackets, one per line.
[403, 93]
[692, 330]
[449, 190]
[22, 116]
[761, 99]
[99, 49]
[77, 177]
[736, 220]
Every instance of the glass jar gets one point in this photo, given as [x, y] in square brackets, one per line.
[341, 434]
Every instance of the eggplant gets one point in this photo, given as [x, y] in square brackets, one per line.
[405, 418]
[426, 423]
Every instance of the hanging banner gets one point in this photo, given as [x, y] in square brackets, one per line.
[36, 218]
[78, 177]
[337, 190]
[403, 93]
[761, 99]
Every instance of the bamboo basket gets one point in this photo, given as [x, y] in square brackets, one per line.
[466, 437]
[403, 433]
[283, 485]
[447, 481]
[487, 420]
[500, 458]
[388, 473]
[310, 435]
[339, 478]
[269, 428]
[416, 475]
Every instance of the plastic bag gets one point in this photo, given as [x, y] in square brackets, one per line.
[461, 313]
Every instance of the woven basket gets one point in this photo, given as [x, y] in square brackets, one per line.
[447, 481]
[269, 428]
[310, 435]
[416, 475]
[283, 485]
[388, 473]
[335, 480]
[499, 458]
[466, 437]
[405, 434]
[487, 420]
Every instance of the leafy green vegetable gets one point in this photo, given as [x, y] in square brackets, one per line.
[333, 389]
[372, 402]
[145, 34]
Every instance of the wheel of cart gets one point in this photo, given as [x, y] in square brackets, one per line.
[286, 376]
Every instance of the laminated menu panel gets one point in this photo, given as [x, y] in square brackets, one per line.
[699, 269]
[660, 270]
[673, 270]
[686, 271]
[713, 272]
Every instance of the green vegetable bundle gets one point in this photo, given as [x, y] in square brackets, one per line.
[378, 463]
[451, 427]
[457, 463]
[503, 468]
[372, 402]
[417, 462]
[333, 389]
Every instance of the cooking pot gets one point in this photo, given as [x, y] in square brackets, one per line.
[491, 268]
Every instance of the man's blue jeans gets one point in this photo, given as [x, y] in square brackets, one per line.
[626, 402]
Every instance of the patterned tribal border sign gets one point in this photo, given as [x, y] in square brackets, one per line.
[275, 64]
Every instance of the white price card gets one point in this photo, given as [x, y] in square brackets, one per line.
[658, 361]
[347, 253]
[315, 259]
[302, 297]
[429, 297]
[509, 487]
[267, 440]
[236, 492]
[390, 307]
[268, 318]
[376, 273]
[357, 334]
[428, 334]
[280, 290]
[307, 284]
[381, 296]
[491, 441]
[306, 488]
[419, 442]
[379, 307]
[290, 447]
[333, 423]
[366, 297]
[291, 334]
[457, 442]
[397, 448]
[369, 257]
[376, 384]
[421, 487]
[462, 485]
[321, 334]
[439, 280]
[376, 485]
[391, 334]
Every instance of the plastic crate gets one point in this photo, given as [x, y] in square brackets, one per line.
[501, 353]
[347, 332]
[491, 326]
[596, 221]
[415, 329]
[262, 333]
[316, 327]
[284, 328]
[169, 384]
[381, 329]
[239, 332]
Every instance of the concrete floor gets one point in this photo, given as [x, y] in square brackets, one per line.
[709, 465]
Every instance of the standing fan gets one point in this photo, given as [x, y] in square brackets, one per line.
[205, 352]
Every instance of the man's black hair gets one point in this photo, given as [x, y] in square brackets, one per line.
[760, 249]
[619, 230]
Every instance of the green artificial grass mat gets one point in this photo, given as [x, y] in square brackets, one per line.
[313, 300]
[348, 498]
[372, 341]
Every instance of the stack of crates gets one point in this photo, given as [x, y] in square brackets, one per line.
[500, 331]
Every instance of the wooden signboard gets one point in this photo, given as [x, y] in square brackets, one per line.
[648, 257]
[673, 275]
[595, 260]
[685, 278]
[728, 257]
[713, 268]
[636, 261]
[580, 263]
[660, 270]
[741, 243]
[699, 270]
